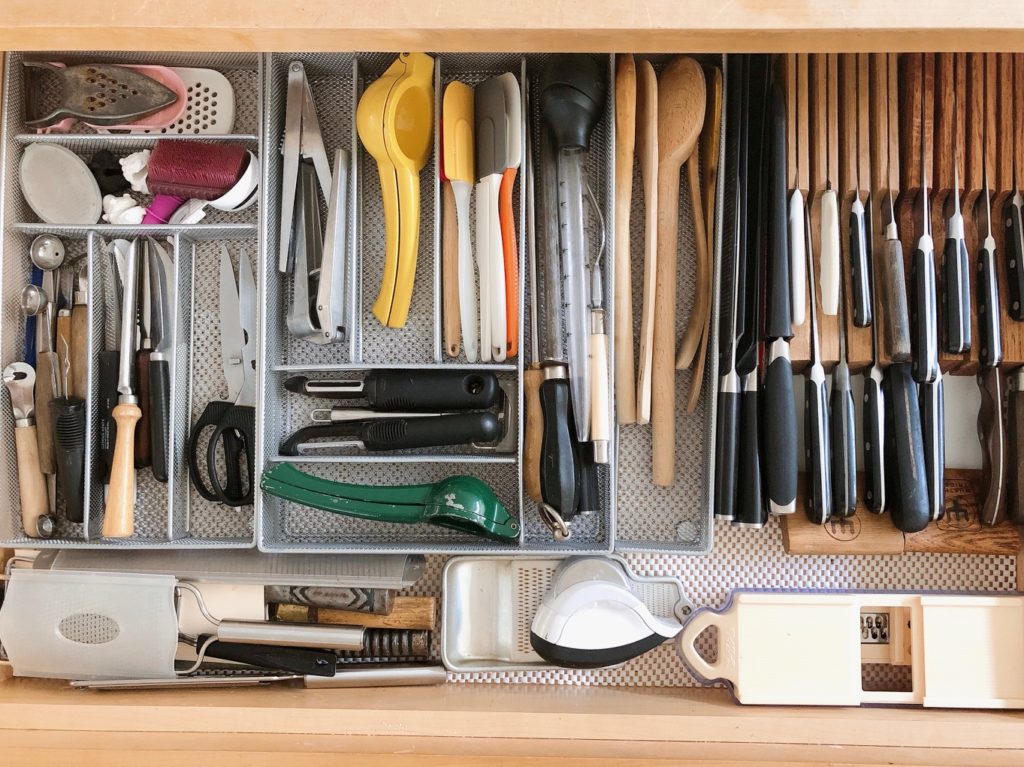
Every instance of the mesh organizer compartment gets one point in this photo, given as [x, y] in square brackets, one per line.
[676, 519]
[336, 82]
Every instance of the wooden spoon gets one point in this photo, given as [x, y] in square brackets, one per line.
[681, 106]
[625, 131]
[647, 150]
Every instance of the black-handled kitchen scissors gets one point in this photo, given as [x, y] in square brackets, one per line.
[230, 446]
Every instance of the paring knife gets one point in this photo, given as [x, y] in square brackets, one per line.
[727, 435]
[990, 355]
[163, 301]
[491, 160]
[780, 440]
[817, 451]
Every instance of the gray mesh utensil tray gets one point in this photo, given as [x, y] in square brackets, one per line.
[675, 519]
[168, 514]
[337, 81]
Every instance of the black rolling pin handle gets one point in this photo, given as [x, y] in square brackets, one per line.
[726, 445]
[69, 445]
[751, 511]
[779, 437]
[816, 447]
[843, 444]
[874, 441]
[108, 364]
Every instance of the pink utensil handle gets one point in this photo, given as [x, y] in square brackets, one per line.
[162, 208]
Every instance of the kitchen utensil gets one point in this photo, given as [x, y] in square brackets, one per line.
[876, 495]
[367, 676]
[681, 104]
[841, 420]
[195, 169]
[100, 94]
[458, 125]
[164, 302]
[956, 276]
[69, 442]
[19, 379]
[491, 144]
[119, 511]
[647, 153]
[209, 105]
[817, 432]
[167, 116]
[395, 118]
[461, 503]
[933, 434]
[923, 315]
[112, 281]
[233, 419]
[408, 613]
[80, 332]
[396, 433]
[374, 601]
[625, 136]
[572, 97]
[1015, 453]
[58, 186]
[396, 389]
[590, 618]
[533, 375]
[600, 404]
[990, 378]
[451, 306]
[47, 252]
[959, 650]
[506, 215]
[488, 604]
[143, 433]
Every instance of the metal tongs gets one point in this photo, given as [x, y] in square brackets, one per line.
[317, 263]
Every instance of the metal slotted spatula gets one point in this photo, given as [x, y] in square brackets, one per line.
[100, 94]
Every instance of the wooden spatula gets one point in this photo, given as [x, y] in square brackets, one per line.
[625, 131]
[647, 151]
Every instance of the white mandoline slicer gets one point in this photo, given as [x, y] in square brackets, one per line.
[784, 648]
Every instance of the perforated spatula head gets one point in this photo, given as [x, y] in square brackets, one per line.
[491, 133]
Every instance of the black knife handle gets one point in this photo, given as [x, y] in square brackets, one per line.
[859, 272]
[925, 339]
[1015, 244]
[933, 436]
[726, 443]
[843, 444]
[956, 297]
[143, 429]
[431, 389]
[816, 447]
[559, 461]
[780, 440]
[990, 351]
[160, 416]
[874, 441]
[779, 316]
[409, 433]
[292, 660]
[590, 486]
[69, 446]
[751, 511]
[911, 512]
[894, 298]
[108, 364]
[1015, 451]
[993, 444]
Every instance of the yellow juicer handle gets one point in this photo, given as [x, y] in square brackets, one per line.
[389, 192]
[408, 244]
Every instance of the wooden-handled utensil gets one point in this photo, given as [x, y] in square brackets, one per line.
[682, 101]
[19, 378]
[625, 135]
[647, 152]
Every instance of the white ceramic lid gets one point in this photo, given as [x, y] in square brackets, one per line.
[58, 185]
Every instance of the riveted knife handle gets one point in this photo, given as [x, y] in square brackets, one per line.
[143, 439]
[923, 317]
[1015, 245]
[751, 511]
[726, 443]
[893, 284]
[993, 444]
[780, 441]
[859, 272]
[108, 362]
[910, 510]
[160, 407]
[816, 447]
[990, 351]
[933, 437]
[842, 443]
[1015, 452]
[956, 297]
[874, 441]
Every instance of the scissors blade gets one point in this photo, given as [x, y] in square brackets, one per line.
[231, 340]
[247, 318]
[161, 280]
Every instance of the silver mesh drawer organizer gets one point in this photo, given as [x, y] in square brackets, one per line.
[166, 515]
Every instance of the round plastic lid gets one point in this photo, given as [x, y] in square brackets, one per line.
[58, 185]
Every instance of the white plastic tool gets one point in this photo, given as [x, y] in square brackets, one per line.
[58, 185]
[209, 105]
[963, 651]
[829, 259]
[797, 259]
